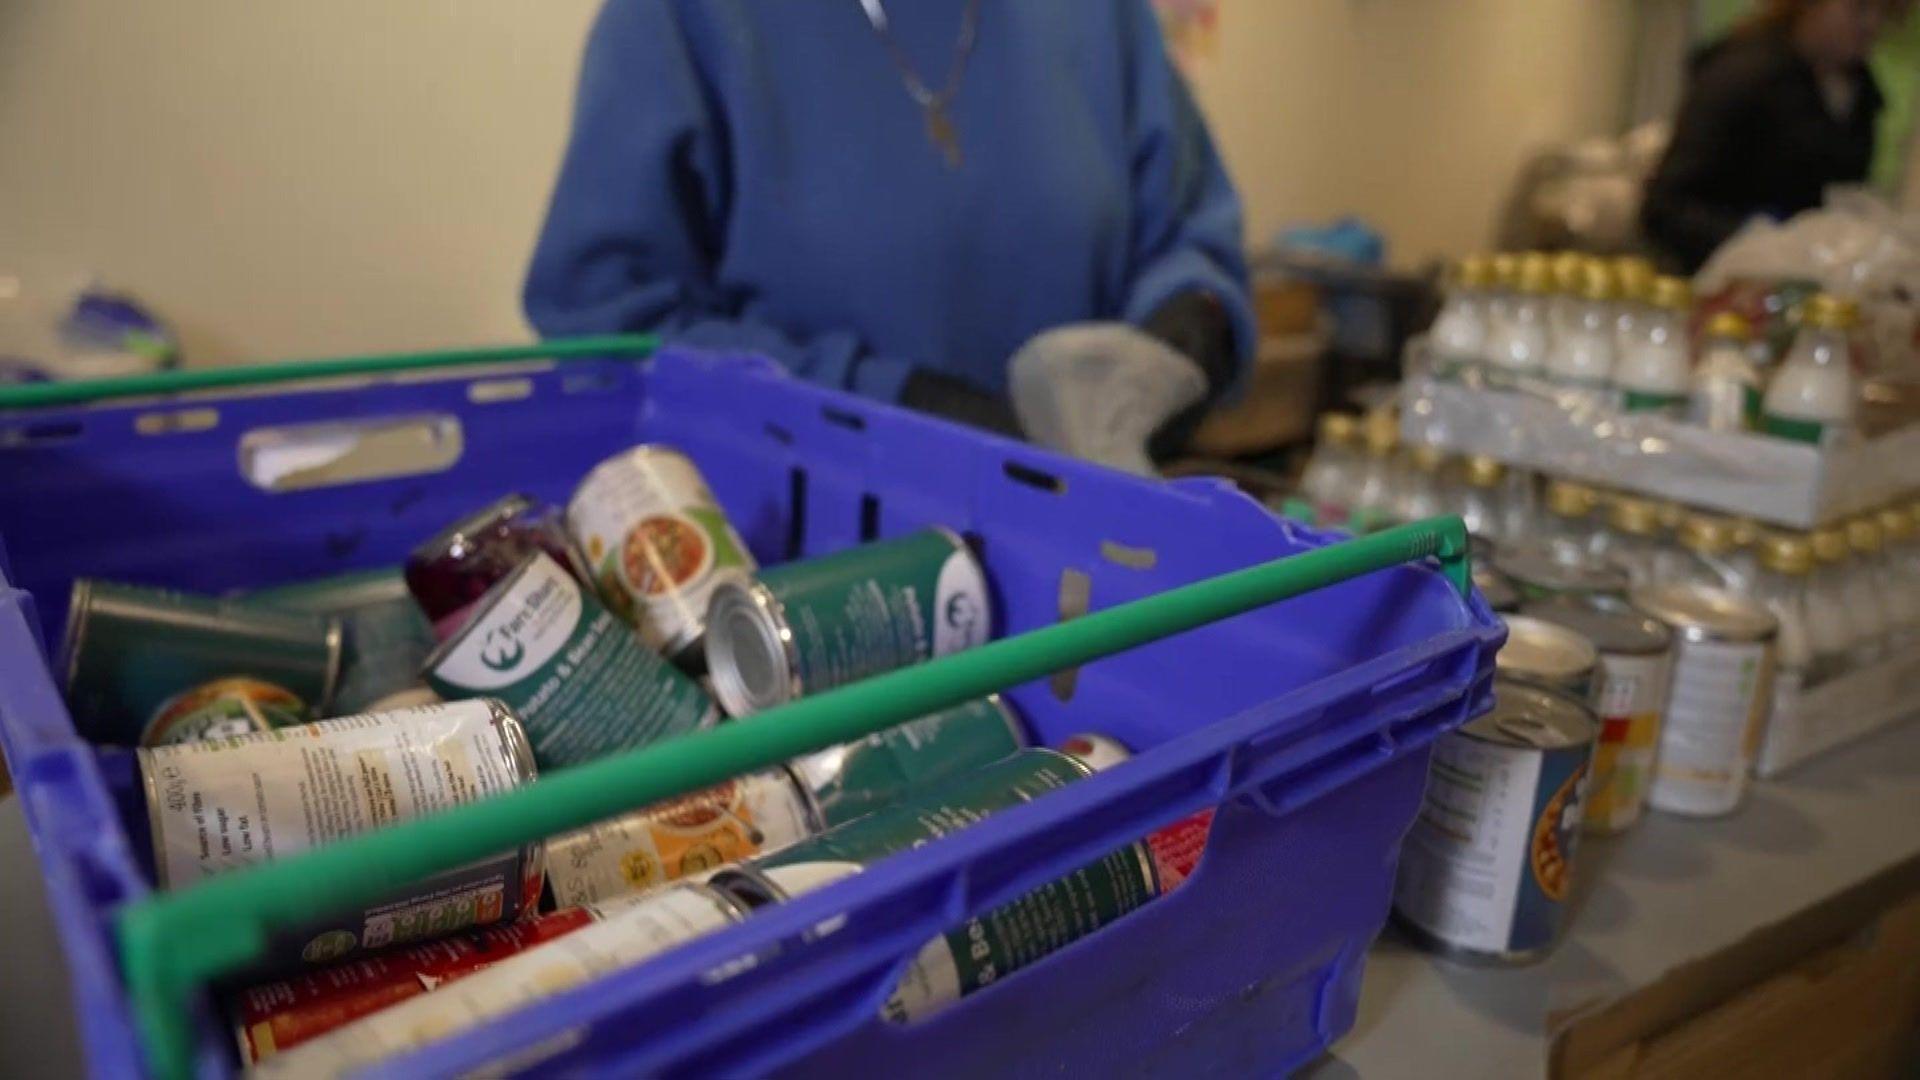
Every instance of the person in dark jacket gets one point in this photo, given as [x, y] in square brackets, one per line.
[1771, 117]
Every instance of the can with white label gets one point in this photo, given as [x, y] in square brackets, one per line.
[658, 544]
[1636, 654]
[636, 931]
[223, 804]
[1486, 870]
[581, 681]
[810, 626]
[1549, 654]
[1723, 660]
[699, 831]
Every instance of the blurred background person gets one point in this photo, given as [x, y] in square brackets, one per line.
[1772, 114]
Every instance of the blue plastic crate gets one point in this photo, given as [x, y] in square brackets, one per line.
[1307, 722]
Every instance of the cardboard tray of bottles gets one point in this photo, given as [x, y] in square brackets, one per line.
[1772, 480]
[1816, 711]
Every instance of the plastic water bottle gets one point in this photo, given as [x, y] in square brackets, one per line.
[1563, 306]
[1634, 276]
[1632, 540]
[1653, 373]
[1840, 631]
[1900, 575]
[1332, 476]
[1458, 338]
[1517, 343]
[1568, 528]
[1580, 362]
[1813, 398]
[1726, 386]
[1871, 612]
[1783, 585]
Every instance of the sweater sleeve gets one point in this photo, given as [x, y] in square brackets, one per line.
[639, 210]
[1690, 208]
[1186, 214]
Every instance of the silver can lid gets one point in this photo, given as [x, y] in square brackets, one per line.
[1698, 610]
[1538, 565]
[1533, 717]
[1539, 648]
[750, 653]
[1612, 624]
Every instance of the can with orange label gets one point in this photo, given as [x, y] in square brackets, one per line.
[657, 543]
[702, 830]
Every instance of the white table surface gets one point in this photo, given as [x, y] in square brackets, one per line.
[1670, 891]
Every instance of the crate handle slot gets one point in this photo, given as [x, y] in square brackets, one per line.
[35, 395]
[335, 453]
[171, 945]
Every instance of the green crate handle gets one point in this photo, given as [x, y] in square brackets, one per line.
[37, 395]
[173, 943]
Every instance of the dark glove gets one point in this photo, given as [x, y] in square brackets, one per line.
[1196, 325]
[944, 395]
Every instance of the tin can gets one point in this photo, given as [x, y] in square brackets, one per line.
[1176, 849]
[855, 779]
[1539, 573]
[452, 571]
[814, 625]
[387, 636]
[1549, 654]
[697, 832]
[277, 1016]
[1498, 589]
[1636, 654]
[221, 805]
[1486, 870]
[407, 697]
[222, 709]
[128, 651]
[582, 682]
[637, 930]
[980, 951]
[657, 543]
[1099, 752]
[1722, 687]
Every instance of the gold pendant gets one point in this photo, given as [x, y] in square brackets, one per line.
[941, 133]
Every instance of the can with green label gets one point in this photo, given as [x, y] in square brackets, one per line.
[814, 625]
[853, 780]
[975, 954]
[387, 636]
[131, 653]
[581, 681]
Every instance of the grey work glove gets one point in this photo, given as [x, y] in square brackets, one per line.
[1100, 390]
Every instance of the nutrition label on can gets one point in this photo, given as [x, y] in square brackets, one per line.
[1712, 721]
[582, 681]
[634, 852]
[1460, 875]
[234, 802]
[621, 939]
[657, 541]
[1633, 691]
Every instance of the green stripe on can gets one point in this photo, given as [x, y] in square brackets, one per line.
[581, 681]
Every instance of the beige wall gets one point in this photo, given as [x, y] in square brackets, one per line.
[292, 179]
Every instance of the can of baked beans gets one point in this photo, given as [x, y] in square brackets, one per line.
[579, 678]
[1486, 870]
[223, 804]
[657, 543]
[134, 659]
[1630, 696]
[813, 625]
[624, 936]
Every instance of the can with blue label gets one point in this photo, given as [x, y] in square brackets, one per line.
[810, 626]
[579, 678]
[1486, 870]
[975, 954]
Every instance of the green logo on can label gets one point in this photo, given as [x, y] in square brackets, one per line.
[329, 946]
[578, 677]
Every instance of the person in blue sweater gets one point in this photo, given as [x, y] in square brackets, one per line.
[896, 198]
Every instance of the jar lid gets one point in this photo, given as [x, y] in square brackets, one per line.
[1484, 472]
[1897, 527]
[1830, 545]
[1536, 274]
[1635, 517]
[1340, 428]
[1706, 535]
[1729, 324]
[1863, 535]
[1672, 293]
[1474, 272]
[1636, 276]
[1568, 498]
[1829, 312]
[1787, 554]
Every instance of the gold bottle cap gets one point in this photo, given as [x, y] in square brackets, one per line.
[1636, 276]
[1863, 535]
[1671, 293]
[1729, 324]
[1829, 312]
[1635, 517]
[1484, 472]
[1597, 281]
[1506, 269]
[1428, 459]
[1382, 432]
[1897, 527]
[1705, 535]
[1830, 545]
[1568, 499]
[1474, 272]
[1536, 274]
[1671, 514]
[1745, 532]
[1341, 429]
[1569, 268]
[1787, 554]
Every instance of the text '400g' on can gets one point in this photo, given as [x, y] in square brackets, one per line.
[657, 542]
[975, 954]
[581, 681]
[814, 625]
[141, 665]
[1486, 869]
[221, 805]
